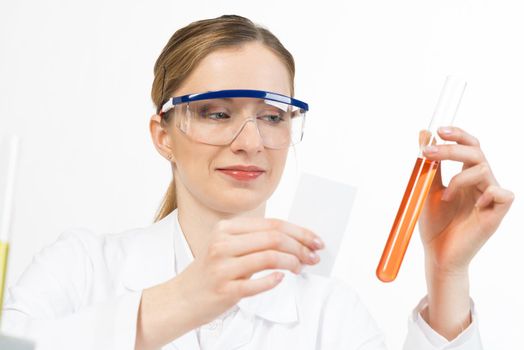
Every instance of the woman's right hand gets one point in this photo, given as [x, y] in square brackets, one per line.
[216, 281]
[240, 247]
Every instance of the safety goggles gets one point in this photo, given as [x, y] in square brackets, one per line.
[217, 117]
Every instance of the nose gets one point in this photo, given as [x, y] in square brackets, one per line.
[248, 138]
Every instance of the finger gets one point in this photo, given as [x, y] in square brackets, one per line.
[245, 266]
[469, 155]
[249, 287]
[241, 225]
[479, 175]
[238, 245]
[453, 133]
[497, 195]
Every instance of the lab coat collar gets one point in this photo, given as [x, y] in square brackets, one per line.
[151, 261]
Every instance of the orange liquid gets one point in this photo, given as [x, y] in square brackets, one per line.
[406, 219]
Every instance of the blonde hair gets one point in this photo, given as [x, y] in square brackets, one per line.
[188, 46]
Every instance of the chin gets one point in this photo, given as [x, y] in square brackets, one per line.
[238, 201]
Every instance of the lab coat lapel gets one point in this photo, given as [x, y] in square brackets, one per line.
[238, 333]
[150, 258]
[151, 261]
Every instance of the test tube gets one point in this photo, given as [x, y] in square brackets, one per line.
[8, 157]
[419, 182]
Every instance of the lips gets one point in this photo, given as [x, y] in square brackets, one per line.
[250, 168]
[242, 172]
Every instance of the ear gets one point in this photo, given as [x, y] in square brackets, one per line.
[160, 137]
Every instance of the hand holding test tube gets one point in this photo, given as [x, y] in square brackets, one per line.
[419, 182]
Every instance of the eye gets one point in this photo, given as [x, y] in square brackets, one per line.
[273, 117]
[212, 112]
[217, 115]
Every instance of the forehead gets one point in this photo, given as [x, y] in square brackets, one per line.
[250, 66]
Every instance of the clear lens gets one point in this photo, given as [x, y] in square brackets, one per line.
[219, 121]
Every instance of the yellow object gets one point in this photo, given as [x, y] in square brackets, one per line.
[4, 250]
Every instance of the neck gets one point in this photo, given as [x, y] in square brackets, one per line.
[197, 220]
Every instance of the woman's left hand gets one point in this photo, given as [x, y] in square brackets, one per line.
[454, 224]
[456, 221]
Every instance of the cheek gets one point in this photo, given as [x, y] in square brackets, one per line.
[193, 160]
[277, 160]
[195, 165]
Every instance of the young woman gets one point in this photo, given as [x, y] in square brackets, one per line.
[197, 277]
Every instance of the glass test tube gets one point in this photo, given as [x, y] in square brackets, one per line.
[8, 157]
[419, 182]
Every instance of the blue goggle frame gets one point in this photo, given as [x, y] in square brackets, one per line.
[266, 95]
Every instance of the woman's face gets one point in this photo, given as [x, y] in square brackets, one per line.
[251, 66]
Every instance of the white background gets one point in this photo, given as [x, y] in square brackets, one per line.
[75, 82]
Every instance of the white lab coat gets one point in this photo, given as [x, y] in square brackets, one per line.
[83, 292]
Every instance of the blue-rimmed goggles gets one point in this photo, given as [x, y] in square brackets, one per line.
[217, 117]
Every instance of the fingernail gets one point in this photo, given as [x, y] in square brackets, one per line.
[445, 130]
[445, 195]
[313, 256]
[430, 149]
[318, 242]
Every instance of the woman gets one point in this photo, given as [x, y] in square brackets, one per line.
[187, 281]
